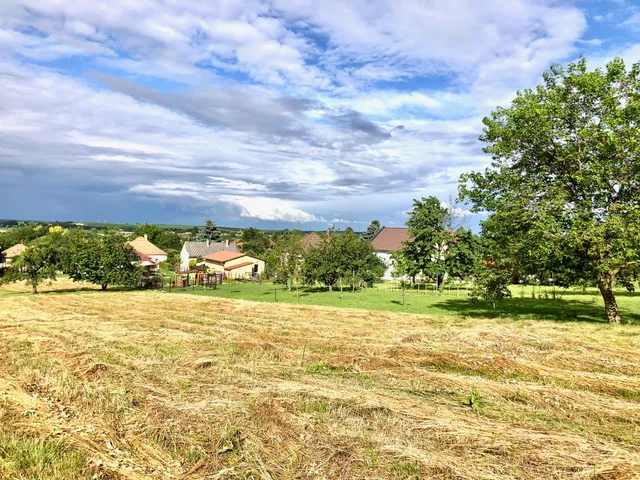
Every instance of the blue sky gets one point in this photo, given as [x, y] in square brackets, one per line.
[281, 113]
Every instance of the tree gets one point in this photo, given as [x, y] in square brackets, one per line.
[254, 241]
[342, 255]
[404, 268]
[428, 246]
[491, 282]
[372, 230]
[26, 234]
[40, 261]
[161, 238]
[103, 259]
[209, 231]
[287, 257]
[564, 184]
[463, 253]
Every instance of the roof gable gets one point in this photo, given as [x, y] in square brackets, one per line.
[142, 245]
[15, 250]
[390, 239]
[311, 239]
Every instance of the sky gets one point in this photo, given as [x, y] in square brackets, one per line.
[274, 114]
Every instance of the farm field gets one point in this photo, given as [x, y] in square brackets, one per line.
[572, 304]
[147, 385]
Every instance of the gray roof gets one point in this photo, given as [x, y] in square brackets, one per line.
[201, 249]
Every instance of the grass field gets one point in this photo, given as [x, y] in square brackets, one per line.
[142, 385]
[570, 305]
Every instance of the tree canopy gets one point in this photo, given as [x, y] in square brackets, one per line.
[372, 230]
[40, 261]
[209, 231]
[103, 259]
[254, 241]
[342, 255]
[564, 185]
[160, 237]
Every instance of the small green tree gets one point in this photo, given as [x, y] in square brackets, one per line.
[491, 283]
[287, 257]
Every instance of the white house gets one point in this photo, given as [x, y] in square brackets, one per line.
[194, 250]
[386, 241]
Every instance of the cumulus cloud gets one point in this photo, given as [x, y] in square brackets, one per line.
[271, 209]
[276, 111]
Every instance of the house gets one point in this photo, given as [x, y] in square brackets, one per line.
[386, 241]
[147, 262]
[194, 250]
[234, 264]
[9, 254]
[147, 251]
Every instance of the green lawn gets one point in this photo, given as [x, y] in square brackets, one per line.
[575, 304]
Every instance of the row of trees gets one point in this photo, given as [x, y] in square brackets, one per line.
[104, 259]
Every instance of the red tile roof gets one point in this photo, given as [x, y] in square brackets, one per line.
[224, 256]
[233, 267]
[311, 239]
[389, 239]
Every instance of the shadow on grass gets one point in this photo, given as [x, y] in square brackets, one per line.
[564, 310]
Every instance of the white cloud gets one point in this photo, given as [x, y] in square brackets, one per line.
[271, 209]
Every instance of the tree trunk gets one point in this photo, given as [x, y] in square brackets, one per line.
[605, 284]
[34, 288]
[403, 295]
[104, 286]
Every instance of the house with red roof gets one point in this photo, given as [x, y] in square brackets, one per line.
[234, 264]
[387, 241]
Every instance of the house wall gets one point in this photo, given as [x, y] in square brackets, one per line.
[158, 258]
[184, 258]
[241, 272]
[214, 267]
[388, 261]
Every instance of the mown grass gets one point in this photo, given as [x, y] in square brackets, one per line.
[575, 304]
[150, 385]
[36, 456]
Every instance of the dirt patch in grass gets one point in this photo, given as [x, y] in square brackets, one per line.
[152, 385]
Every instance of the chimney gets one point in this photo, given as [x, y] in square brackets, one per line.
[145, 237]
[226, 242]
[208, 243]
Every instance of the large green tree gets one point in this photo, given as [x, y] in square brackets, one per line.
[428, 245]
[564, 184]
[103, 259]
[40, 261]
